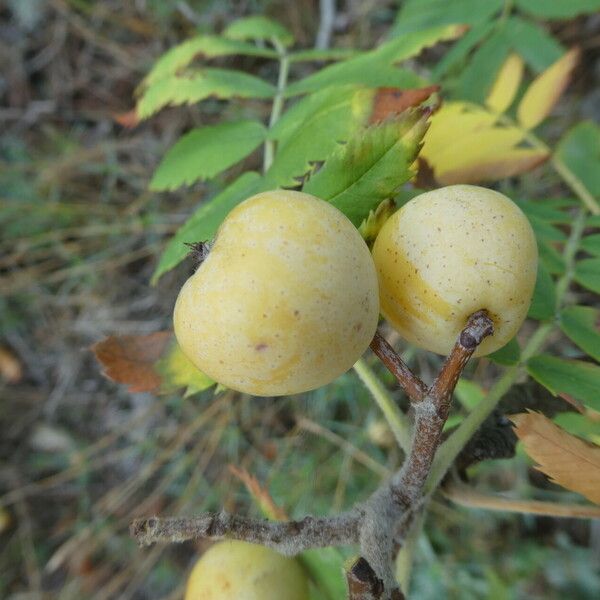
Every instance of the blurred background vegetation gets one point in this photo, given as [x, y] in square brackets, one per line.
[80, 236]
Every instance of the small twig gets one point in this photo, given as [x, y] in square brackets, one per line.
[286, 537]
[327, 14]
[409, 382]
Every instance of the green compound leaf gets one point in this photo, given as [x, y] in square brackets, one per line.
[208, 46]
[551, 257]
[475, 82]
[203, 224]
[543, 303]
[456, 57]
[582, 325]
[258, 28]
[199, 85]
[177, 371]
[537, 47]
[544, 211]
[374, 163]
[587, 273]
[312, 128]
[577, 378]
[558, 9]
[579, 149]
[377, 67]
[591, 244]
[323, 55]
[508, 355]
[416, 15]
[205, 152]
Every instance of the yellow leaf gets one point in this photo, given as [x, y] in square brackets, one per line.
[177, 371]
[546, 89]
[507, 82]
[567, 460]
[465, 144]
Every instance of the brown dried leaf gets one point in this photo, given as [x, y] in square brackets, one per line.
[130, 359]
[567, 460]
[392, 101]
[10, 366]
[129, 119]
[260, 495]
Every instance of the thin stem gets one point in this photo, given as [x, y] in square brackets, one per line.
[287, 537]
[395, 418]
[452, 447]
[409, 382]
[278, 100]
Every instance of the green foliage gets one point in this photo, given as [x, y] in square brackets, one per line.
[508, 355]
[579, 149]
[325, 567]
[573, 377]
[203, 224]
[205, 152]
[312, 129]
[587, 273]
[581, 324]
[370, 167]
[377, 67]
[198, 85]
[543, 303]
[258, 28]
[558, 9]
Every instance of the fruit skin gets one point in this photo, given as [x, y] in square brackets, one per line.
[286, 301]
[235, 570]
[448, 253]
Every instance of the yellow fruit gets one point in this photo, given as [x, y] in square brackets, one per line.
[451, 252]
[286, 301]
[233, 570]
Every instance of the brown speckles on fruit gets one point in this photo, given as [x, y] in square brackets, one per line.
[491, 264]
[286, 279]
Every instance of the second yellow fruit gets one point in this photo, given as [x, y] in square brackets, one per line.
[449, 253]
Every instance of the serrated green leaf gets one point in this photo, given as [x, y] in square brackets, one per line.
[591, 244]
[558, 9]
[376, 68]
[587, 273]
[370, 167]
[580, 425]
[551, 258]
[312, 129]
[372, 224]
[205, 152]
[325, 567]
[177, 371]
[199, 85]
[579, 149]
[582, 325]
[543, 303]
[258, 28]
[477, 78]
[537, 47]
[457, 55]
[508, 355]
[577, 378]
[209, 46]
[205, 221]
[416, 15]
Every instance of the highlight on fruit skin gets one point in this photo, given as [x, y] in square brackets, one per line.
[286, 301]
[234, 570]
[449, 253]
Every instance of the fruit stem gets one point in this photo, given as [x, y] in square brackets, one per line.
[395, 418]
[284, 67]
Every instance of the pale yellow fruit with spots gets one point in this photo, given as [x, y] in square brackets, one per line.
[234, 570]
[448, 253]
[286, 301]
